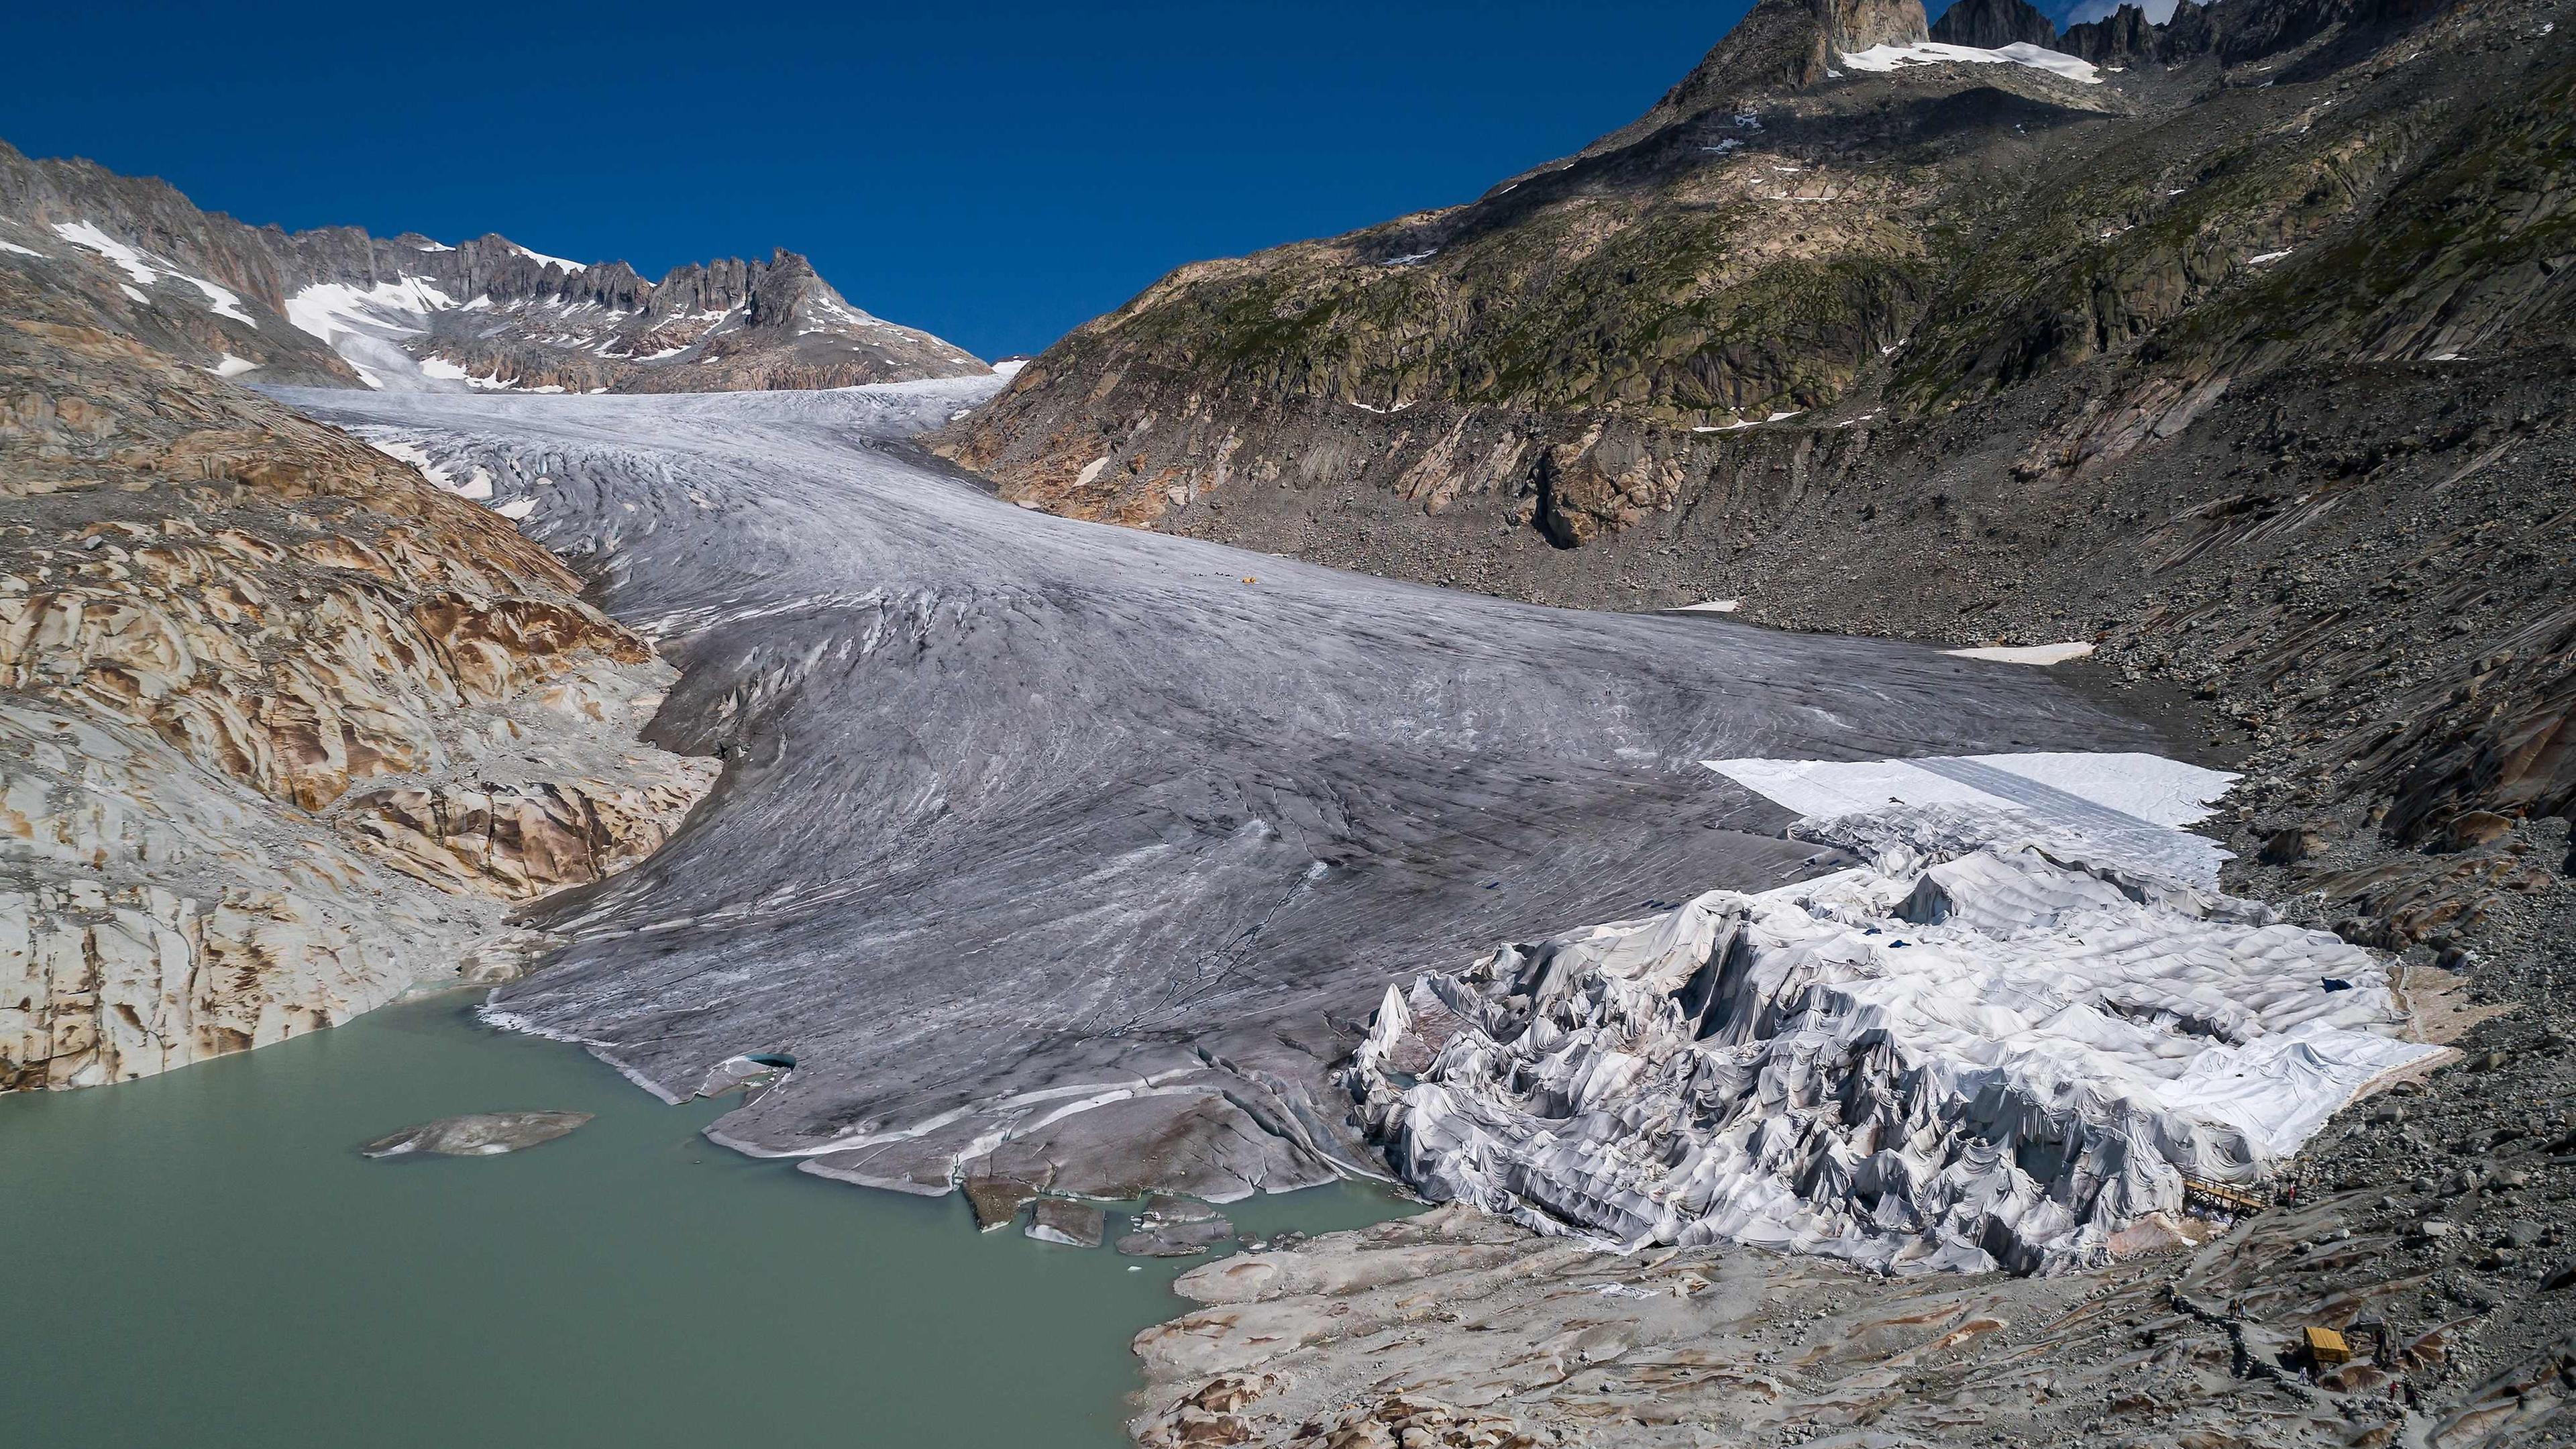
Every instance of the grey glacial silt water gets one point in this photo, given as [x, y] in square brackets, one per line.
[203, 1259]
[1071, 856]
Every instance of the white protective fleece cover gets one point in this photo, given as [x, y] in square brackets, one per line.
[2012, 1033]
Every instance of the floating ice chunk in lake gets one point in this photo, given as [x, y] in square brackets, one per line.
[1884, 58]
[1996, 1044]
[2026, 653]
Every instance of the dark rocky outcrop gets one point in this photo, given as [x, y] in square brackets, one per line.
[2124, 38]
[1993, 24]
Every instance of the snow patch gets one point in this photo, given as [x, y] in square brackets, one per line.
[15, 249]
[82, 234]
[146, 270]
[1883, 58]
[1711, 606]
[2265, 258]
[2026, 653]
[1010, 368]
[549, 261]
[232, 366]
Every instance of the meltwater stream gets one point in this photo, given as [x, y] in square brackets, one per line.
[203, 1259]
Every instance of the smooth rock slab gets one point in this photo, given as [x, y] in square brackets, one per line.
[1062, 1220]
[477, 1134]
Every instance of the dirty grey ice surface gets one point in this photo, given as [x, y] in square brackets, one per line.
[1061, 857]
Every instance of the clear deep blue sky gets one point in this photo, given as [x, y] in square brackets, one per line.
[996, 173]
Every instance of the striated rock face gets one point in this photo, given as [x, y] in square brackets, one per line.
[282, 726]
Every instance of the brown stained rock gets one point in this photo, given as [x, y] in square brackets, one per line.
[221, 618]
[1063, 1221]
[996, 1201]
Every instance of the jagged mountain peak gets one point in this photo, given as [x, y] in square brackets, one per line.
[337, 306]
[1994, 24]
[1785, 43]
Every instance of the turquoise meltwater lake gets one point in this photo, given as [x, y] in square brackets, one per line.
[202, 1260]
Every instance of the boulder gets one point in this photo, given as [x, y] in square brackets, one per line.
[1062, 1220]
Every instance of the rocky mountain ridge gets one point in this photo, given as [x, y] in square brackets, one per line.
[337, 307]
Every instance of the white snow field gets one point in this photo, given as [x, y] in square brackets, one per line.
[2008, 1039]
[2027, 653]
[2020, 52]
[365, 326]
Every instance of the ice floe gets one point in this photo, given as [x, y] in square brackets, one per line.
[2014, 1031]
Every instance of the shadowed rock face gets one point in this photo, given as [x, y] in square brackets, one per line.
[1060, 856]
[1993, 24]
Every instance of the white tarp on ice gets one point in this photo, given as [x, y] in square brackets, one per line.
[2011, 1034]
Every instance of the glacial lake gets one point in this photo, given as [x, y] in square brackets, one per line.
[203, 1259]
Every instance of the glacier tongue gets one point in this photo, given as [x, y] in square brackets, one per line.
[1999, 1043]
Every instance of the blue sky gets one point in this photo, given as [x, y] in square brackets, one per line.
[996, 173]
